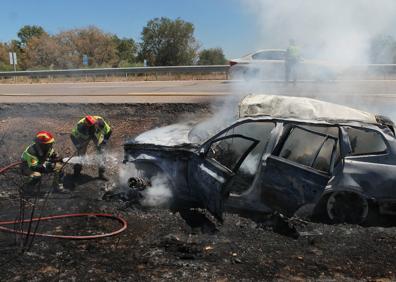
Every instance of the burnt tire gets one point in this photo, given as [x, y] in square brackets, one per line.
[347, 207]
[143, 178]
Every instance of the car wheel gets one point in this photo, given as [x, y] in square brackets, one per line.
[347, 207]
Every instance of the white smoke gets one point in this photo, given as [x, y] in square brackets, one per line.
[223, 115]
[108, 159]
[125, 172]
[336, 30]
[158, 194]
[337, 34]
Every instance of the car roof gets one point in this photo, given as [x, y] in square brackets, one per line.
[269, 50]
[259, 51]
[300, 108]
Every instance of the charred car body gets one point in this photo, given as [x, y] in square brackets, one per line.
[284, 154]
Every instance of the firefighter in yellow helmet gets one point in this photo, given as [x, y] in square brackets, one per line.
[292, 60]
[39, 158]
[89, 128]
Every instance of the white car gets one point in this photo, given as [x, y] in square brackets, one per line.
[269, 64]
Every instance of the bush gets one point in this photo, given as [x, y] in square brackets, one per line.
[213, 56]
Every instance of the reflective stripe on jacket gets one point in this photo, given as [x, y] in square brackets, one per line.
[102, 132]
[81, 131]
[293, 53]
[32, 157]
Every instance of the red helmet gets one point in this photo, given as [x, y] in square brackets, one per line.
[90, 120]
[44, 137]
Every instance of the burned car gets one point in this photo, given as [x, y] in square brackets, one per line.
[284, 154]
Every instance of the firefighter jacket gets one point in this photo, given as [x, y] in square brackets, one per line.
[35, 159]
[293, 53]
[98, 133]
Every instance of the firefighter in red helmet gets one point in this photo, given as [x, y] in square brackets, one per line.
[89, 128]
[39, 158]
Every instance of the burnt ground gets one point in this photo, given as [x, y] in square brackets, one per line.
[158, 244]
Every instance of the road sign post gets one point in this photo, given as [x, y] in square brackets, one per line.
[85, 60]
[13, 59]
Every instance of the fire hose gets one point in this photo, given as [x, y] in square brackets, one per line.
[53, 217]
[4, 169]
[70, 237]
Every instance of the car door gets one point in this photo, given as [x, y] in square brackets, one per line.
[214, 166]
[268, 64]
[299, 168]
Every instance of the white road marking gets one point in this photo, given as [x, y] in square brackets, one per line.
[16, 94]
[181, 94]
[126, 94]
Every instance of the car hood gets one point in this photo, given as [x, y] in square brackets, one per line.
[171, 135]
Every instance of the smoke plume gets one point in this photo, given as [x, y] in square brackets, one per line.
[159, 194]
[336, 30]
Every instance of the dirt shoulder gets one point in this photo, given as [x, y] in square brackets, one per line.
[158, 244]
[110, 78]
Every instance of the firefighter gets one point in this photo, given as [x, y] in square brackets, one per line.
[89, 128]
[291, 61]
[39, 158]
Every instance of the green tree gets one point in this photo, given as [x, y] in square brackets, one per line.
[28, 31]
[4, 59]
[167, 42]
[212, 56]
[91, 41]
[126, 50]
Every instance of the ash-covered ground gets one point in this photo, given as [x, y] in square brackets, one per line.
[159, 244]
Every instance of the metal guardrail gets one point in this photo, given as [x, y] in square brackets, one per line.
[377, 70]
[120, 71]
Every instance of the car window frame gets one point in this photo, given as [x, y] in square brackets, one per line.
[204, 144]
[333, 152]
[383, 153]
[202, 149]
[255, 142]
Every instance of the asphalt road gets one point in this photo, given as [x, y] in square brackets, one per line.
[115, 92]
[373, 95]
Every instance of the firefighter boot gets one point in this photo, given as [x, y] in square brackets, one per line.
[77, 170]
[58, 183]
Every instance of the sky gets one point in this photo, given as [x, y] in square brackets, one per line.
[218, 23]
